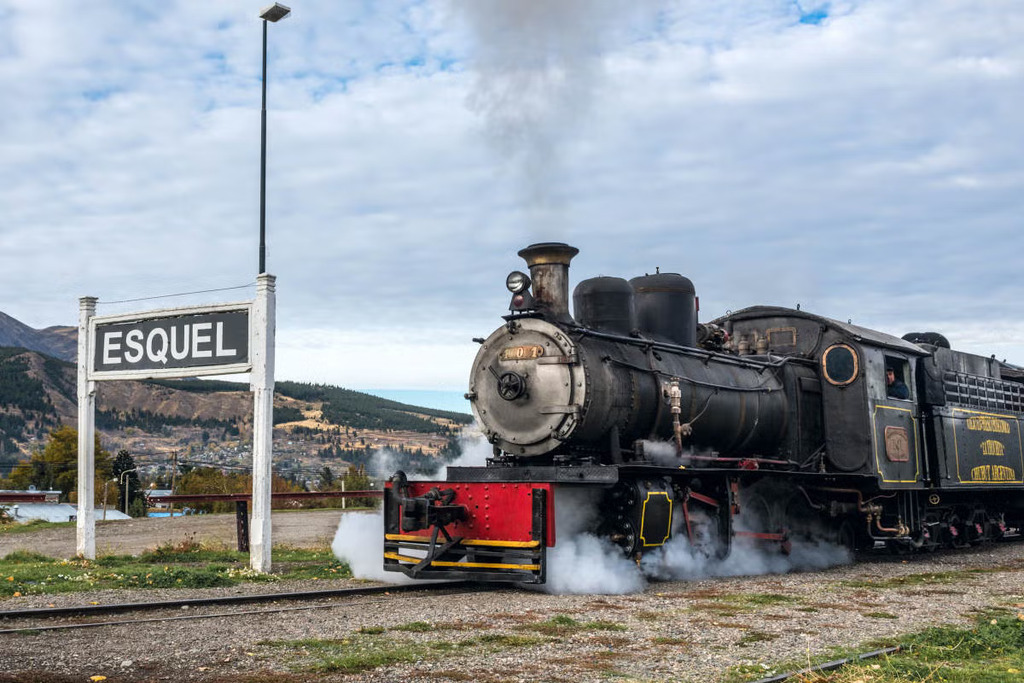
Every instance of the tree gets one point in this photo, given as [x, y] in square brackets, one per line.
[327, 479]
[202, 480]
[356, 479]
[126, 473]
[56, 466]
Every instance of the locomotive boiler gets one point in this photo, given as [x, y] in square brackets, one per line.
[767, 423]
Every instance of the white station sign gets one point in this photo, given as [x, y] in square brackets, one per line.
[172, 342]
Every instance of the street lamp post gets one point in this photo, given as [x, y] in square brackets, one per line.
[106, 482]
[125, 489]
[275, 13]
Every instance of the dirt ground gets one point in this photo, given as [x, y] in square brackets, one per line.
[299, 528]
[684, 631]
[678, 631]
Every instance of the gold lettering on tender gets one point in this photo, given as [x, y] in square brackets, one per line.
[527, 352]
[1001, 473]
[988, 424]
[992, 447]
[993, 473]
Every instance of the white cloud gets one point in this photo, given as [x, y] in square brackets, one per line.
[863, 165]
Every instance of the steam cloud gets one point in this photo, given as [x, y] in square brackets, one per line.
[538, 65]
[360, 536]
[664, 453]
[581, 562]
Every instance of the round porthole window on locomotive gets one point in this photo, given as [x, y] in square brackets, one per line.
[840, 364]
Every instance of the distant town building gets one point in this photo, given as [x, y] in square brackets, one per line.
[25, 506]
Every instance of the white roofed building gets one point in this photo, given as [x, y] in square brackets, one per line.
[26, 506]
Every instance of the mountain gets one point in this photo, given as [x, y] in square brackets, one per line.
[43, 387]
[207, 422]
[59, 341]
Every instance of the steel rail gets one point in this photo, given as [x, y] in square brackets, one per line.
[460, 586]
[125, 622]
[86, 610]
[829, 666]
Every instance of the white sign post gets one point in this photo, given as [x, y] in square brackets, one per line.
[86, 522]
[261, 382]
[181, 342]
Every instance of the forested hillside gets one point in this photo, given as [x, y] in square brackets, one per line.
[343, 407]
[209, 422]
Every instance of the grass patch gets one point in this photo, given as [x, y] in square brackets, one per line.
[743, 673]
[452, 675]
[563, 625]
[306, 563]
[414, 627]
[750, 600]
[648, 615]
[991, 651]
[168, 566]
[662, 640]
[752, 636]
[880, 615]
[26, 557]
[506, 640]
[369, 648]
[718, 609]
[372, 630]
[913, 580]
[732, 604]
[33, 525]
[351, 655]
[189, 550]
[601, 663]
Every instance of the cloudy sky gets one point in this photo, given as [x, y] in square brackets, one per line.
[859, 157]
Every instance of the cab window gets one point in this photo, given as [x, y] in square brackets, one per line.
[897, 378]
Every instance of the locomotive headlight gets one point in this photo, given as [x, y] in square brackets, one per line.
[517, 282]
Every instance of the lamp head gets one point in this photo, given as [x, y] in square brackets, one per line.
[275, 12]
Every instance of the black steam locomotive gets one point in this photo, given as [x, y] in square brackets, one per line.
[768, 423]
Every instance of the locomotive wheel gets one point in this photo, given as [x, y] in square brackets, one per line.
[761, 512]
[955, 536]
[707, 540]
[977, 527]
[713, 529]
[800, 518]
[846, 535]
[995, 527]
[756, 513]
[933, 527]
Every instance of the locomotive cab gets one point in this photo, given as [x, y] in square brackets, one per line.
[864, 430]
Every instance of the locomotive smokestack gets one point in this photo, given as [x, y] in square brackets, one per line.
[549, 270]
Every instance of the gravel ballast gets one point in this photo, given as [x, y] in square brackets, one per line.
[672, 631]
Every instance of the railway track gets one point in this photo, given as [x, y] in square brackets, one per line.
[338, 596]
[33, 615]
[673, 630]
